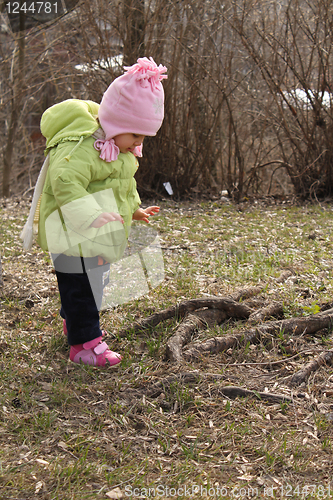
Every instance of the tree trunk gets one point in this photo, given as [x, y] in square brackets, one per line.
[17, 82]
[134, 15]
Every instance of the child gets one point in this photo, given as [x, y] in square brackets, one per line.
[89, 196]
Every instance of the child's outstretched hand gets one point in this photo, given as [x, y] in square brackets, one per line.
[143, 214]
[106, 217]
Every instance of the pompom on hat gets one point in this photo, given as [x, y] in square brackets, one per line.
[133, 103]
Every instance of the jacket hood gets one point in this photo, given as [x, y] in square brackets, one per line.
[69, 120]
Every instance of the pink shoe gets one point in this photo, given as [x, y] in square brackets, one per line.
[94, 353]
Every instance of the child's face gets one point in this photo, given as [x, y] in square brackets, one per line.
[127, 142]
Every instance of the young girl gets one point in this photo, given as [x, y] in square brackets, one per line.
[89, 196]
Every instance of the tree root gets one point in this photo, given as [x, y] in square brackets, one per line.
[192, 322]
[207, 312]
[181, 337]
[232, 308]
[235, 392]
[228, 304]
[295, 326]
[247, 293]
[270, 311]
[326, 358]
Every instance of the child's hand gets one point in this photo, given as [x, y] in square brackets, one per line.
[143, 214]
[106, 217]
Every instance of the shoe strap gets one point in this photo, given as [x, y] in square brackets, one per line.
[100, 348]
[92, 343]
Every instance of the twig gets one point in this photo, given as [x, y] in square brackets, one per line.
[186, 377]
[270, 363]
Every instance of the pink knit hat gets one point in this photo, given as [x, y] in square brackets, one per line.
[133, 103]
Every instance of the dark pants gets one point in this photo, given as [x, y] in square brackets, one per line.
[81, 296]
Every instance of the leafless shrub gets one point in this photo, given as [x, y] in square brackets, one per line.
[291, 45]
[233, 119]
[200, 144]
[35, 72]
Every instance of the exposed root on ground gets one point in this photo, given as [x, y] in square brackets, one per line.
[203, 314]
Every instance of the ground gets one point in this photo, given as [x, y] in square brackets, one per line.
[153, 427]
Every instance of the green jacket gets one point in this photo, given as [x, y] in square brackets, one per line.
[79, 186]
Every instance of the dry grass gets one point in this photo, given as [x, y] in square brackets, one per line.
[73, 432]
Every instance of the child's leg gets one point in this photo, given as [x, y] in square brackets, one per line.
[78, 307]
[81, 299]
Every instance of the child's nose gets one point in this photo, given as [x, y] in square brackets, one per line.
[138, 141]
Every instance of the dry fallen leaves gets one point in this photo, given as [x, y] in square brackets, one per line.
[115, 494]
